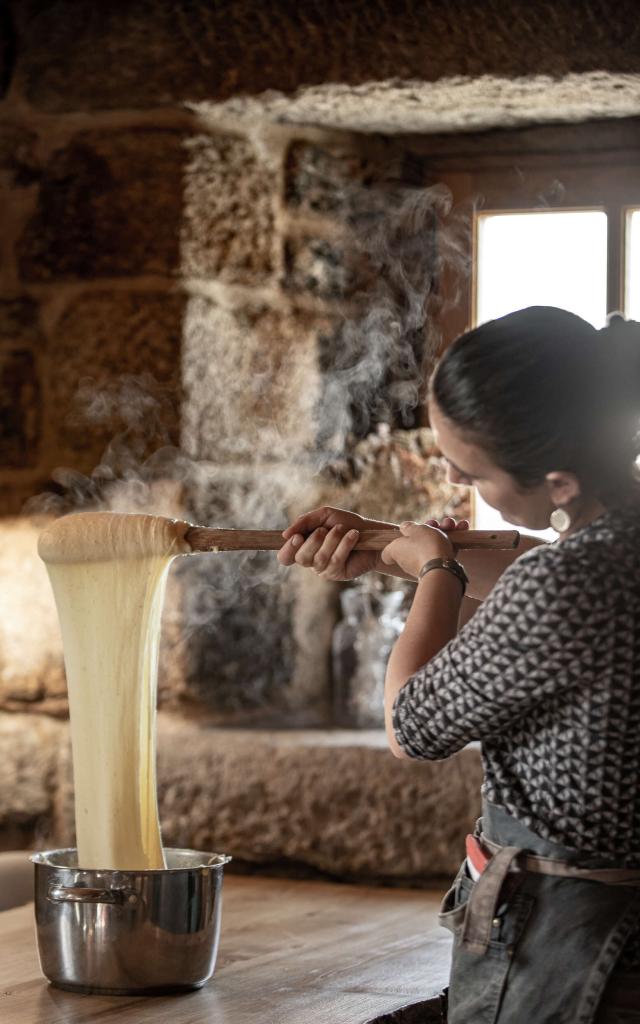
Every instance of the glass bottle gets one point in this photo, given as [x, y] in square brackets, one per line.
[361, 645]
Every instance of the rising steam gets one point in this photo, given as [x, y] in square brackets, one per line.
[265, 414]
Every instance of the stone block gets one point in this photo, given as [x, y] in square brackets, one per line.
[318, 266]
[20, 409]
[228, 219]
[334, 801]
[253, 638]
[249, 389]
[18, 163]
[157, 52]
[29, 750]
[151, 201]
[114, 390]
[337, 802]
[372, 375]
[255, 641]
[109, 205]
[229, 601]
[19, 321]
[322, 179]
[31, 665]
[250, 383]
[392, 476]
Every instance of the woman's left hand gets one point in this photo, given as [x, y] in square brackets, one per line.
[416, 546]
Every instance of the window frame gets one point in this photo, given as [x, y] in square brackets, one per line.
[594, 165]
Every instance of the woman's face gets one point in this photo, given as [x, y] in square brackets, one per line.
[469, 465]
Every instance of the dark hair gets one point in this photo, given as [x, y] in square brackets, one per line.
[543, 390]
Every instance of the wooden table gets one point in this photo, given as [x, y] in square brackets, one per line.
[291, 952]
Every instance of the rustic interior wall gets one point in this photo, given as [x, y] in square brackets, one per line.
[113, 193]
[195, 255]
[176, 290]
[166, 52]
[189, 354]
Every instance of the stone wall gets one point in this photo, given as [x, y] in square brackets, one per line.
[138, 215]
[149, 272]
[202, 317]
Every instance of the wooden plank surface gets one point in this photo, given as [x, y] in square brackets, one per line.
[291, 952]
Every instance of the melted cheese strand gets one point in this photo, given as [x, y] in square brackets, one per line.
[108, 572]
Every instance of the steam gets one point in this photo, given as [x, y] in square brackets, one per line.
[269, 408]
[376, 367]
[261, 391]
[270, 404]
[140, 469]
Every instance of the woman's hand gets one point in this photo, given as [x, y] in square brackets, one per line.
[324, 539]
[417, 545]
[448, 523]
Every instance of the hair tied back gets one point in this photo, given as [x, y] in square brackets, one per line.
[616, 317]
[623, 337]
[618, 325]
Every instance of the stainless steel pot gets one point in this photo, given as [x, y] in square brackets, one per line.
[128, 932]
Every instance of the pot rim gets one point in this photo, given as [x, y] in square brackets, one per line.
[208, 860]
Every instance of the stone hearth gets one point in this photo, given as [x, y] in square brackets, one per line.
[333, 801]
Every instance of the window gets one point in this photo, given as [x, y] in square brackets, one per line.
[556, 222]
[521, 259]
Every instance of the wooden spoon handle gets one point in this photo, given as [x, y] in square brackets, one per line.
[206, 538]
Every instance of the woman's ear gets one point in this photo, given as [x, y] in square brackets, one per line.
[563, 488]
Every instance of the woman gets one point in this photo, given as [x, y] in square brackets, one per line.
[540, 412]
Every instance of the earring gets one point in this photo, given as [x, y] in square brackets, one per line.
[560, 520]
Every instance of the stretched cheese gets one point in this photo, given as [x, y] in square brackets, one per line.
[108, 572]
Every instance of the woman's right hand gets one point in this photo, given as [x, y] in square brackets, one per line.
[324, 539]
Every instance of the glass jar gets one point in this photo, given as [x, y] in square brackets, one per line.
[361, 646]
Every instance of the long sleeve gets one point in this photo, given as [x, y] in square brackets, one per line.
[531, 640]
[547, 675]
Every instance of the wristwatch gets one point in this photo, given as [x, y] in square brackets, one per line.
[450, 565]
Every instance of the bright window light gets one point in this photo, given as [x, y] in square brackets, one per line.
[547, 258]
[632, 283]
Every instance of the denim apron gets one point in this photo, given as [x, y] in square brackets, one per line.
[551, 942]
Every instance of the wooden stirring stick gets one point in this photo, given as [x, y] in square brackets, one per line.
[206, 538]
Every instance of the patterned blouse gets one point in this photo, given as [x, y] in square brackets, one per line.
[547, 675]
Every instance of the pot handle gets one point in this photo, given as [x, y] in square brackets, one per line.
[80, 894]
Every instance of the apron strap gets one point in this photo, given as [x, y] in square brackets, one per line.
[481, 905]
[561, 869]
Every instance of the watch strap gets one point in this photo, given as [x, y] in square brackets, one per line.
[450, 564]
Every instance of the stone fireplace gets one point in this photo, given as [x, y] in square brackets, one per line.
[214, 223]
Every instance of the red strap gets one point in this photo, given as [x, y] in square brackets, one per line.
[476, 855]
